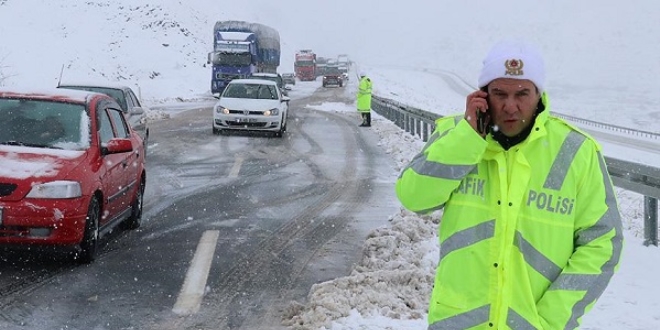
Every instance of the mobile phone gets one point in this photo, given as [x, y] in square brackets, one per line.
[483, 118]
[482, 121]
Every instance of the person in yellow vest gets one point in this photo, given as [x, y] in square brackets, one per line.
[364, 99]
[531, 233]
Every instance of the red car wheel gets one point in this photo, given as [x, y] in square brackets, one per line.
[87, 251]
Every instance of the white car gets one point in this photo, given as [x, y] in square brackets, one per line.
[251, 105]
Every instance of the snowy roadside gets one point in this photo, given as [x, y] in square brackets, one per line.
[395, 274]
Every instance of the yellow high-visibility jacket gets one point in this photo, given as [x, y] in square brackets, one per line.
[364, 95]
[529, 237]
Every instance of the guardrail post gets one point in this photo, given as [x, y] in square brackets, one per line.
[650, 221]
[406, 123]
[385, 112]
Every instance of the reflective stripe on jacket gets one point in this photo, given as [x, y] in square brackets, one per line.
[529, 238]
[364, 95]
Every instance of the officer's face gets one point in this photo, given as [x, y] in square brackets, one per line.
[512, 103]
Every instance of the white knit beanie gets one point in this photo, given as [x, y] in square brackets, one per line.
[513, 59]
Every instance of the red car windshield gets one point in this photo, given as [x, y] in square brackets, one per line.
[45, 124]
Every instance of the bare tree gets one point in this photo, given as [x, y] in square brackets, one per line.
[4, 76]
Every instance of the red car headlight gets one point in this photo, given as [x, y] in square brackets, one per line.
[56, 189]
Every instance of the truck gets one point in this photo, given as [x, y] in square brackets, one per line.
[304, 65]
[321, 63]
[343, 60]
[241, 49]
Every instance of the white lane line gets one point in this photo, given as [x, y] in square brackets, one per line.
[237, 167]
[192, 291]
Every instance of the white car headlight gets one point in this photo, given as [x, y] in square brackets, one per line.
[222, 110]
[272, 112]
[56, 189]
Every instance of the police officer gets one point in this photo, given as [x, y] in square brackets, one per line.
[364, 99]
[531, 233]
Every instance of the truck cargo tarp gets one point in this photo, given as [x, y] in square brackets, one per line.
[267, 38]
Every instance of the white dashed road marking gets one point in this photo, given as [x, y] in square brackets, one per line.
[237, 167]
[192, 292]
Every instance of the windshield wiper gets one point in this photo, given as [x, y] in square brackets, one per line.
[24, 144]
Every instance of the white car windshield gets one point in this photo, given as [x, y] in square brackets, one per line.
[251, 91]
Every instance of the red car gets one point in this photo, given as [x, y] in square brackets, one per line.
[72, 170]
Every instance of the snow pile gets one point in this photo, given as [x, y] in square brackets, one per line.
[392, 280]
[631, 206]
[399, 144]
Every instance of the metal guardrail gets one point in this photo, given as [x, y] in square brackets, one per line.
[620, 129]
[640, 178]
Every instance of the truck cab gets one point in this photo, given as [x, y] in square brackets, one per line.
[305, 65]
[233, 57]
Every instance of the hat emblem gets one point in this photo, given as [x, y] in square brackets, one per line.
[514, 67]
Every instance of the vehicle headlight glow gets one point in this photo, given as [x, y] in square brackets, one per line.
[56, 189]
[272, 112]
[221, 109]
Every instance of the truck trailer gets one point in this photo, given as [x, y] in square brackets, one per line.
[241, 49]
